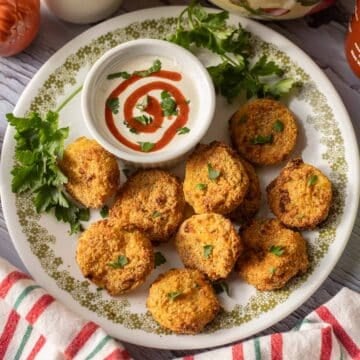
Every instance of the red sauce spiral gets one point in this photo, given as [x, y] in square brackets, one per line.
[153, 108]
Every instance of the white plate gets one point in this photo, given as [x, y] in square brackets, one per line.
[326, 140]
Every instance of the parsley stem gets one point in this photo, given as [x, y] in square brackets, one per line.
[179, 20]
[229, 59]
[68, 99]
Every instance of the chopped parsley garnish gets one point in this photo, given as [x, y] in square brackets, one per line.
[201, 186]
[159, 259]
[183, 130]
[39, 147]
[155, 67]
[278, 126]
[234, 74]
[142, 105]
[144, 119]
[120, 262]
[277, 250]
[208, 249]
[113, 105]
[262, 139]
[156, 214]
[120, 74]
[168, 104]
[174, 295]
[131, 129]
[272, 271]
[146, 146]
[220, 286]
[212, 173]
[104, 212]
[313, 179]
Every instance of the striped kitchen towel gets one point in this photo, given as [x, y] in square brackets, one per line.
[35, 326]
[331, 332]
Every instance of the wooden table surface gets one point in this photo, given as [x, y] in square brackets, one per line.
[320, 35]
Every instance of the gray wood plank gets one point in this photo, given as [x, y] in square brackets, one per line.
[321, 36]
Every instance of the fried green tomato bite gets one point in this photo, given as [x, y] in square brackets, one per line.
[273, 255]
[263, 131]
[183, 301]
[251, 203]
[113, 258]
[215, 179]
[210, 244]
[151, 201]
[93, 173]
[300, 196]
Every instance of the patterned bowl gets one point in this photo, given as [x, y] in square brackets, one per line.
[273, 9]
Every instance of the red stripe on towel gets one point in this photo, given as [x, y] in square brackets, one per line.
[10, 280]
[39, 308]
[8, 332]
[326, 343]
[339, 331]
[118, 354]
[238, 352]
[37, 347]
[80, 339]
[276, 347]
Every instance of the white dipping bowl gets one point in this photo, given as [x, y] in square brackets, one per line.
[125, 57]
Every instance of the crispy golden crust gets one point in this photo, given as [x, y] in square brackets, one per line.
[151, 201]
[251, 203]
[209, 243]
[258, 118]
[92, 172]
[221, 195]
[263, 268]
[300, 196]
[194, 307]
[101, 244]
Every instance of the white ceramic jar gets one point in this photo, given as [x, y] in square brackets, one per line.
[83, 11]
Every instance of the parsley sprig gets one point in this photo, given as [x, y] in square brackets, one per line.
[234, 74]
[39, 146]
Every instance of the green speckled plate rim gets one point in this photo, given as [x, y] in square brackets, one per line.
[126, 325]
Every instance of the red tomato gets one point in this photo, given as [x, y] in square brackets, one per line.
[19, 24]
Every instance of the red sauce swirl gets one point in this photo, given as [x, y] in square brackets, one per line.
[153, 108]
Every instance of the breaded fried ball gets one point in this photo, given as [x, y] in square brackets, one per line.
[183, 301]
[215, 179]
[92, 172]
[151, 201]
[300, 196]
[251, 203]
[263, 131]
[114, 258]
[209, 243]
[273, 254]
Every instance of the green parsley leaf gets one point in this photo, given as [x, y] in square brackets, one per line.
[272, 271]
[212, 173]
[208, 249]
[104, 212]
[131, 129]
[260, 139]
[277, 250]
[155, 67]
[156, 214]
[201, 186]
[280, 88]
[146, 146]
[120, 262]
[278, 126]
[39, 147]
[113, 105]
[220, 286]
[313, 179]
[168, 104]
[159, 258]
[174, 295]
[120, 74]
[144, 119]
[183, 130]
[266, 68]
[142, 105]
